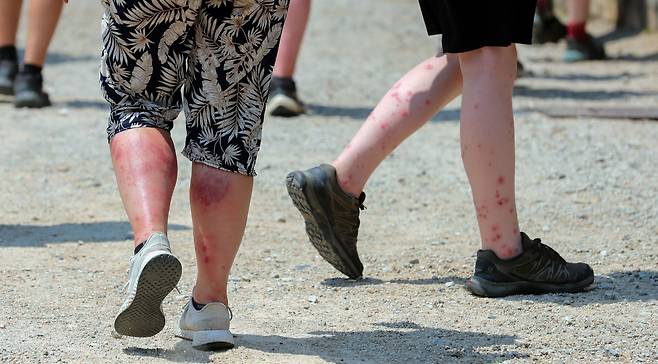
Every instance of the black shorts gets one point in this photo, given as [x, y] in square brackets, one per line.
[467, 25]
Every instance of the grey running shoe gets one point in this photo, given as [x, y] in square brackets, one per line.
[538, 270]
[586, 49]
[8, 72]
[28, 90]
[154, 272]
[331, 216]
[207, 328]
[283, 99]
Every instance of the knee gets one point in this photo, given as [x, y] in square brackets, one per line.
[489, 60]
[209, 186]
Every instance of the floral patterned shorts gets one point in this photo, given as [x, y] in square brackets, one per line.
[212, 57]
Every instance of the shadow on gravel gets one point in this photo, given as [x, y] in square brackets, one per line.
[362, 113]
[391, 342]
[87, 104]
[368, 281]
[585, 77]
[615, 287]
[40, 235]
[181, 353]
[542, 93]
[57, 58]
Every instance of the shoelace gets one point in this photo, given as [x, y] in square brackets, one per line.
[549, 251]
[361, 199]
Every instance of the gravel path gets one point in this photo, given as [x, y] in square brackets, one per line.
[588, 187]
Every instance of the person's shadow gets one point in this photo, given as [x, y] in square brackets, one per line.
[389, 342]
[40, 235]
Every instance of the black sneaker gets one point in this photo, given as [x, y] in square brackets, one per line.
[547, 30]
[8, 72]
[538, 270]
[283, 100]
[586, 49]
[331, 216]
[28, 90]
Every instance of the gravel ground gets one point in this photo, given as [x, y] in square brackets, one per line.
[586, 186]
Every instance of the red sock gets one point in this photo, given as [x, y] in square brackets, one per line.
[576, 30]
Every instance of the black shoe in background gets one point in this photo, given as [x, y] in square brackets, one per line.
[538, 270]
[585, 49]
[8, 72]
[28, 91]
[548, 30]
[283, 99]
[331, 216]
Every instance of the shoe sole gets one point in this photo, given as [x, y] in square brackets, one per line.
[143, 317]
[30, 100]
[284, 106]
[210, 340]
[7, 91]
[484, 288]
[318, 228]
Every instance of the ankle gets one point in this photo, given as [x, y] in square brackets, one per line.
[9, 53]
[202, 298]
[576, 30]
[508, 250]
[346, 181]
[31, 69]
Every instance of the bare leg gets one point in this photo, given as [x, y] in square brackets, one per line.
[145, 167]
[10, 12]
[291, 38]
[43, 18]
[578, 11]
[220, 203]
[414, 99]
[487, 139]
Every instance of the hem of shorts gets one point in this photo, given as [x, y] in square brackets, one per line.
[110, 136]
[464, 49]
[216, 166]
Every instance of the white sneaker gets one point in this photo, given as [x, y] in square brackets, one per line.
[209, 327]
[154, 272]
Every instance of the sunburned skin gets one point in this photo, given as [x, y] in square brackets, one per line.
[219, 202]
[145, 166]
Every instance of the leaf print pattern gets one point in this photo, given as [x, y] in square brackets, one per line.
[213, 58]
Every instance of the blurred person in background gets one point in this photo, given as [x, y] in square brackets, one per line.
[26, 83]
[581, 46]
[284, 100]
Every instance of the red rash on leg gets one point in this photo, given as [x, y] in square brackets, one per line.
[384, 125]
[429, 66]
[501, 180]
[404, 114]
[495, 228]
[396, 96]
[428, 102]
[515, 231]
